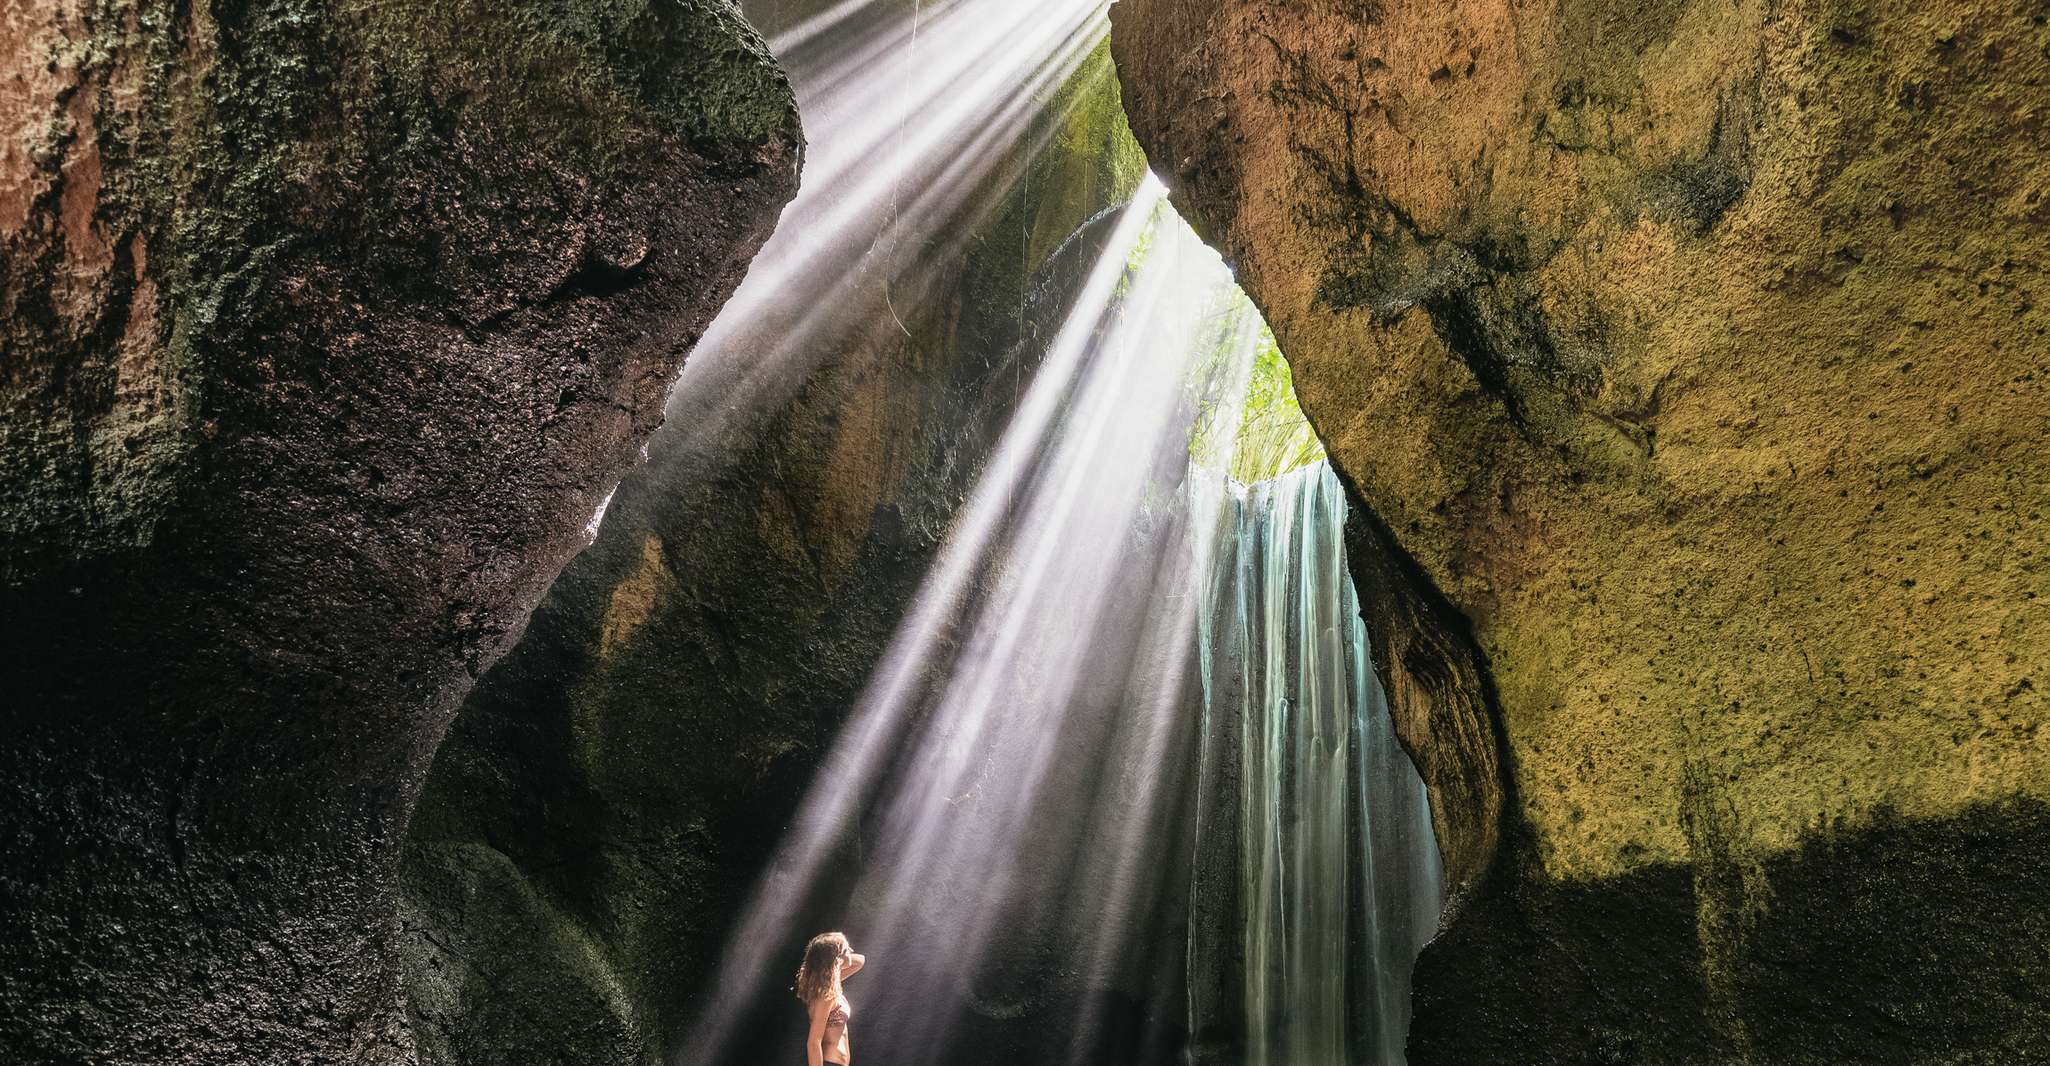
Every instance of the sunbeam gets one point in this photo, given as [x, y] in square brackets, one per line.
[1006, 822]
[1070, 538]
[921, 122]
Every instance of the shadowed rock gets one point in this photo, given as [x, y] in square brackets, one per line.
[328, 328]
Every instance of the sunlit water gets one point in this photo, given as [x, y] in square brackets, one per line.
[1317, 875]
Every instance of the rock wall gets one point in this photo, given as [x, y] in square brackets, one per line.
[328, 325]
[612, 790]
[1688, 362]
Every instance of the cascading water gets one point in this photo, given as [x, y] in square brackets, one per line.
[1318, 877]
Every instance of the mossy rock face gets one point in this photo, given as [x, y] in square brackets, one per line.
[328, 326]
[1689, 362]
[611, 794]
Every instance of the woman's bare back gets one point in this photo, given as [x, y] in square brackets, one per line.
[835, 1045]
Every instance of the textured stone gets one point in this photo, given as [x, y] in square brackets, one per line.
[327, 327]
[1690, 356]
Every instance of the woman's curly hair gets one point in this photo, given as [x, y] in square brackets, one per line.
[820, 974]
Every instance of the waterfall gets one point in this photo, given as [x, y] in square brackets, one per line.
[1317, 874]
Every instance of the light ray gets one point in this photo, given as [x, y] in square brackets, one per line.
[915, 138]
[1003, 814]
[998, 695]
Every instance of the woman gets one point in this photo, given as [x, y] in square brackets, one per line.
[827, 961]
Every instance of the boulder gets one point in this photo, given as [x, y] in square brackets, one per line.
[328, 327]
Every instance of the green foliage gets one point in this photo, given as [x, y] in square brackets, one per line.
[1249, 423]
[1274, 435]
[1094, 128]
[1142, 249]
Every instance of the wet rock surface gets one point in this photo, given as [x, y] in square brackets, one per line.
[1688, 359]
[328, 327]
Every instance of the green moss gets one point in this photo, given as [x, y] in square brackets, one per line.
[1094, 143]
[1090, 159]
[1272, 435]
[1604, 42]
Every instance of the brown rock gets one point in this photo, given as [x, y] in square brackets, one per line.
[1694, 354]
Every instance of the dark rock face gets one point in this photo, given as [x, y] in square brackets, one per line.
[1438, 688]
[328, 328]
[1687, 362]
[609, 795]
[1899, 941]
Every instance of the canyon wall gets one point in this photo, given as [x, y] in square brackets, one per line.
[1687, 361]
[328, 326]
